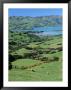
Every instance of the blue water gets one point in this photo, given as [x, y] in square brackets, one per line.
[50, 33]
[55, 30]
[52, 30]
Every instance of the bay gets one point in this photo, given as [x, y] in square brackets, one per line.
[48, 30]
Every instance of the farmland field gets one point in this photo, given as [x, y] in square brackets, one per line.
[44, 72]
[45, 66]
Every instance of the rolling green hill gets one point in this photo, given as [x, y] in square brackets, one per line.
[28, 23]
[33, 57]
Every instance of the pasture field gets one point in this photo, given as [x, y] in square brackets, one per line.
[44, 72]
[39, 60]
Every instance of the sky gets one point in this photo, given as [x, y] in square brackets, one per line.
[34, 12]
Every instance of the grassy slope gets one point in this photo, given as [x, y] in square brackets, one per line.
[25, 62]
[46, 72]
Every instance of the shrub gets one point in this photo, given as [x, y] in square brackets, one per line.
[29, 48]
[40, 51]
[11, 58]
[12, 43]
[47, 51]
[10, 65]
[59, 48]
[31, 54]
[43, 58]
[59, 44]
[24, 67]
[18, 56]
[56, 58]
[14, 57]
[50, 58]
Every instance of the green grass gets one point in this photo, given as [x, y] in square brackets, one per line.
[51, 71]
[51, 43]
[57, 54]
[25, 62]
[44, 72]
[20, 51]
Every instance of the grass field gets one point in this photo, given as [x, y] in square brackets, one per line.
[31, 69]
[44, 72]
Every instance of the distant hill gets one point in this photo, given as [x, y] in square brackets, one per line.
[28, 23]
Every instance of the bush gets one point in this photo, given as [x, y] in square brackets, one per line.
[11, 58]
[59, 44]
[29, 48]
[27, 55]
[17, 56]
[14, 57]
[59, 48]
[31, 54]
[43, 58]
[10, 65]
[50, 58]
[12, 43]
[46, 51]
[39, 51]
[56, 58]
